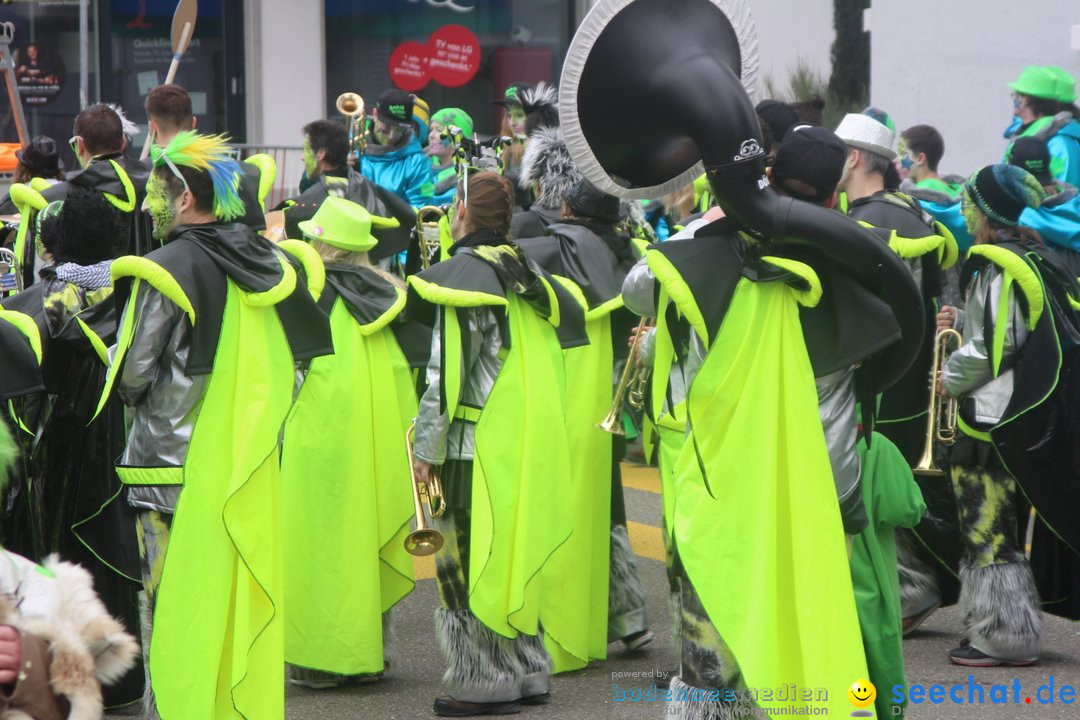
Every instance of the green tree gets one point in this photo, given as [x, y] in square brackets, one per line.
[849, 84]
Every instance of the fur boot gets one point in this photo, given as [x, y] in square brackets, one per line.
[918, 586]
[1001, 610]
[626, 594]
[482, 666]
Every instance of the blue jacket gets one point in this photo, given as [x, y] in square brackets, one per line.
[1058, 220]
[1062, 136]
[405, 171]
[945, 209]
[1065, 144]
[444, 184]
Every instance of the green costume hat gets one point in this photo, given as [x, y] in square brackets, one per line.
[1065, 84]
[1037, 82]
[456, 117]
[345, 224]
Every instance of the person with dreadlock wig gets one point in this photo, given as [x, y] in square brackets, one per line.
[68, 460]
[346, 503]
[212, 324]
[1011, 324]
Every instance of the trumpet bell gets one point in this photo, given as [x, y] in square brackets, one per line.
[350, 104]
[423, 542]
[612, 423]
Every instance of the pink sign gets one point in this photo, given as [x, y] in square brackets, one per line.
[451, 58]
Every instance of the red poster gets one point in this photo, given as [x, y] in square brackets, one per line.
[454, 53]
[409, 66]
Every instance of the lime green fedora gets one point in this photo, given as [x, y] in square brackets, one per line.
[1037, 82]
[345, 224]
[1065, 84]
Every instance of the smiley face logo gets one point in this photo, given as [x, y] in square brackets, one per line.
[862, 693]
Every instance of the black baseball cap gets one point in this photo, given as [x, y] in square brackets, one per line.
[809, 163]
[512, 94]
[1033, 155]
[395, 108]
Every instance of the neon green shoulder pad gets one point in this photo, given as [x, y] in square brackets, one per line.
[679, 291]
[156, 276]
[40, 184]
[277, 293]
[808, 297]
[1024, 275]
[909, 248]
[454, 297]
[267, 175]
[126, 204]
[312, 262]
[949, 252]
[25, 197]
[26, 325]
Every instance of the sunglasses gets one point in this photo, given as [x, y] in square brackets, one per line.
[73, 143]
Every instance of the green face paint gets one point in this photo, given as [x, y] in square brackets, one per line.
[971, 214]
[159, 206]
[309, 159]
[516, 116]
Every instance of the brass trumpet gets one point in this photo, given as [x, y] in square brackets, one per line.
[941, 419]
[632, 384]
[351, 106]
[428, 234]
[11, 280]
[423, 540]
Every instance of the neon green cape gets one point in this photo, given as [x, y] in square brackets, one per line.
[578, 571]
[346, 497]
[765, 549]
[521, 468]
[217, 645]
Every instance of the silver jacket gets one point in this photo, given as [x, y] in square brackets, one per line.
[438, 436]
[836, 406]
[164, 400]
[639, 297]
[968, 373]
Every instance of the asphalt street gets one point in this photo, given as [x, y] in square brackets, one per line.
[407, 691]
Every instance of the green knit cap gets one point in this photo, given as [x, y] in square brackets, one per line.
[456, 117]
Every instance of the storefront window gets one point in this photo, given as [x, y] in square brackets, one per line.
[46, 54]
[140, 53]
[518, 41]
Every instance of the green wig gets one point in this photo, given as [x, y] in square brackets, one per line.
[211, 154]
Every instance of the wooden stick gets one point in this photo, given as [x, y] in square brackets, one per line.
[169, 77]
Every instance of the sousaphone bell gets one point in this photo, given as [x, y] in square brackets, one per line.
[690, 67]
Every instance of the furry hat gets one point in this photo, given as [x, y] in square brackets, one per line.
[541, 106]
[547, 161]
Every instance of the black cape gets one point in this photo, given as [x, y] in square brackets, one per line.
[201, 258]
[376, 199]
[102, 177]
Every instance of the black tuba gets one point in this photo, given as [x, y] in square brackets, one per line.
[687, 68]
